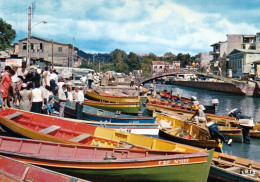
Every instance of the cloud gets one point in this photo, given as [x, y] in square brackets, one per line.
[156, 26]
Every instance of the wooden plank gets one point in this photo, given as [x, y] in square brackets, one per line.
[175, 129]
[80, 137]
[49, 129]
[14, 115]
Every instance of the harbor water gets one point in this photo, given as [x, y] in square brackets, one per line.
[249, 106]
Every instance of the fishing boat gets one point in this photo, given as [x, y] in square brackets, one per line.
[49, 128]
[109, 164]
[38, 126]
[232, 168]
[187, 101]
[126, 108]
[12, 170]
[177, 130]
[228, 125]
[103, 96]
[94, 114]
[178, 106]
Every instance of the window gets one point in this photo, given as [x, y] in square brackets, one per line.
[60, 49]
[252, 47]
[160, 67]
[41, 46]
[31, 46]
[155, 67]
[24, 46]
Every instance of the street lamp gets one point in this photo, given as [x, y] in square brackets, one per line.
[29, 42]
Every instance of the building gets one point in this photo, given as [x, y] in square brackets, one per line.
[43, 50]
[241, 61]
[234, 41]
[204, 58]
[164, 67]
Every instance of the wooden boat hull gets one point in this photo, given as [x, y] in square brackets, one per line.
[29, 124]
[126, 165]
[199, 136]
[127, 108]
[232, 133]
[112, 98]
[16, 171]
[70, 110]
[230, 168]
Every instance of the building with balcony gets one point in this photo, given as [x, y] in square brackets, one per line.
[234, 41]
[44, 50]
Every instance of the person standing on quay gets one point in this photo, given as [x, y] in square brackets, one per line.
[24, 103]
[62, 100]
[37, 99]
[5, 84]
[79, 102]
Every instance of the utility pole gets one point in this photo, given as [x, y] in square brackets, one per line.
[28, 38]
[72, 56]
[52, 53]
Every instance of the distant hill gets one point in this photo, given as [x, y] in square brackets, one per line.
[102, 56]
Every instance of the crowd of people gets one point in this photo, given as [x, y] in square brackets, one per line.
[34, 90]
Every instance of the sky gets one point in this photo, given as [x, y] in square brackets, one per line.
[140, 26]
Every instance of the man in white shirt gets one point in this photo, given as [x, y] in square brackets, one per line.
[53, 80]
[79, 102]
[62, 100]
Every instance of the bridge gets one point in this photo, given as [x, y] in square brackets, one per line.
[232, 85]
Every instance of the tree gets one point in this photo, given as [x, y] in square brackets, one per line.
[146, 63]
[7, 35]
[118, 58]
[133, 62]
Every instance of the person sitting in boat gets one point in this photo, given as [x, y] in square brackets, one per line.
[199, 115]
[178, 98]
[215, 134]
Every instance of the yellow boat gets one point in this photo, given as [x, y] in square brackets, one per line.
[177, 130]
[226, 123]
[103, 96]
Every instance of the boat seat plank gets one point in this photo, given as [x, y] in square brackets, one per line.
[14, 115]
[49, 129]
[80, 137]
[175, 129]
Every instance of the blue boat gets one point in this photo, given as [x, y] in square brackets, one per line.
[94, 114]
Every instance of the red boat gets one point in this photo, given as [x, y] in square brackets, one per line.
[186, 103]
[99, 163]
[48, 128]
[16, 171]
[174, 97]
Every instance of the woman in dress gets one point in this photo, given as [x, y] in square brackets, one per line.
[5, 84]
[25, 103]
[37, 99]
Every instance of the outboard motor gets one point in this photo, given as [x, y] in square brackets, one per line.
[245, 122]
[214, 102]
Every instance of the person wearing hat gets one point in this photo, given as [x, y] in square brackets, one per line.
[199, 115]
[24, 93]
[79, 99]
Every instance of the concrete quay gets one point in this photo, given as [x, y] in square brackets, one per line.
[239, 88]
